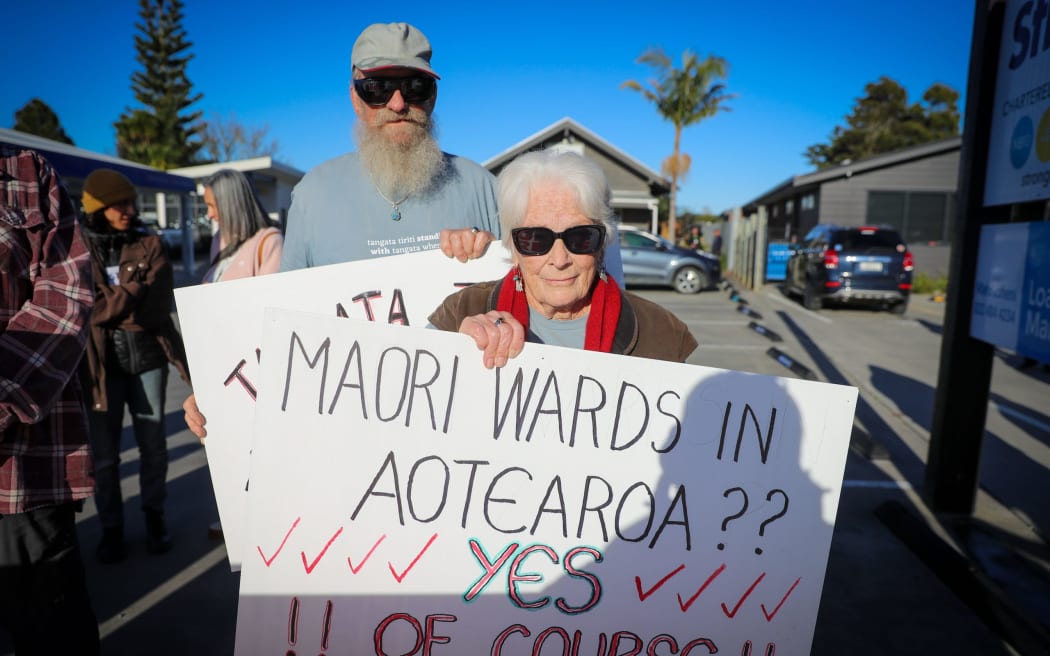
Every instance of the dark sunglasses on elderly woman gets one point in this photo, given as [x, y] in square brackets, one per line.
[377, 91]
[581, 240]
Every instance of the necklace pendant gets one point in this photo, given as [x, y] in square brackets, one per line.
[396, 214]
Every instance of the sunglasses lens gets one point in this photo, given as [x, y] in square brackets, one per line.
[377, 91]
[583, 240]
[417, 89]
[533, 241]
[374, 91]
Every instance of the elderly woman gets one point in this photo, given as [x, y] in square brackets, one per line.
[554, 212]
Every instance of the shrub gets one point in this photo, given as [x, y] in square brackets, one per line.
[924, 283]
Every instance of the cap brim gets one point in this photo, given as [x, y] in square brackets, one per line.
[386, 66]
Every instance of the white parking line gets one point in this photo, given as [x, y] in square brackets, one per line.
[780, 299]
[716, 322]
[163, 591]
[1020, 416]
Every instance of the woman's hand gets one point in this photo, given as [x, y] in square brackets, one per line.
[465, 243]
[194, 419]
[498, 334]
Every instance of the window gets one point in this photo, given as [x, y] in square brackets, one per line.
[918, 216]
[634, 240]
[808, 202]
[789, 207]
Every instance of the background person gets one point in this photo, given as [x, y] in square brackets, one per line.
[133, 338]
[45, 464]
[554, 210]
[249, 243]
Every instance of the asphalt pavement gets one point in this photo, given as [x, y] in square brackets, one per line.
[900, 579]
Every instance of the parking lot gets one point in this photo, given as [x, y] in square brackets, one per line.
[881, 594]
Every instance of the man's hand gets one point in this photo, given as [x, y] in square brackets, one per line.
[194, 419]
[498, 334]
[465, 243]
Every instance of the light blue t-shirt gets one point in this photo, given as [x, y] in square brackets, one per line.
[569, 333]
[337, 215]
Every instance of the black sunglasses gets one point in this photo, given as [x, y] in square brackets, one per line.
[581, 240]
[377, 91]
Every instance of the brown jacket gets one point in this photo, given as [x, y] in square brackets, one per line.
[142, 301]
[645, 329]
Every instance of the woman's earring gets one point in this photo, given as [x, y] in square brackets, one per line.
[602, 275]
[517, 281]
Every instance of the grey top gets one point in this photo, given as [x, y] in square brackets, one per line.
[337, 215]
[556, 332]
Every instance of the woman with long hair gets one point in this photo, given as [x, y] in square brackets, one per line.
[249, 243]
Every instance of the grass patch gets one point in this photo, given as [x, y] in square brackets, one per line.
[924, 283]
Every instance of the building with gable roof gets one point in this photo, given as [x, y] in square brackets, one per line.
[636, 189]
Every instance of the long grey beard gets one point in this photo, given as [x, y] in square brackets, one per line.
[400, 171]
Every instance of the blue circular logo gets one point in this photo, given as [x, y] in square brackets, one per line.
[1021, 142]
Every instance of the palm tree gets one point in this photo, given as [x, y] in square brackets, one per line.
[683, 96]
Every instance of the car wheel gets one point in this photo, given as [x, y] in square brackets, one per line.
[689, 280]
[899, 308]
[810, 299]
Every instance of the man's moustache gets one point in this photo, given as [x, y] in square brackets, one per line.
[388, 116]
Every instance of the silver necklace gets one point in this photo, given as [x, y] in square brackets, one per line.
[395, 215]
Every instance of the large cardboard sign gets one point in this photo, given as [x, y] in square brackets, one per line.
[405, 500]
[1011, 300]
[221, 326]
[1018, 167]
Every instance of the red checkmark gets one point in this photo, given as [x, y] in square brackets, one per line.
[270, 560]
[684, 605]
[747, 594]
[642, 596]
[368, 555]
[414, 560]
[770, 616]
[309, 567]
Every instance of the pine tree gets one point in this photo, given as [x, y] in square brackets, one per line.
[36, 117]
[161, 133]
[882, 121]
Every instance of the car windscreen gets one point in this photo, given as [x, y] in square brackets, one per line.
[857, 241]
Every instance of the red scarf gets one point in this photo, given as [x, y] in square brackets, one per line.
[601, 322]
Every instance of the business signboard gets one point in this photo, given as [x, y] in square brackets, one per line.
[1011, 301]
[1019, 149]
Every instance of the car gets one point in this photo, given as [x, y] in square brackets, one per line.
[201, 234]
[859, 265]
[652, 260]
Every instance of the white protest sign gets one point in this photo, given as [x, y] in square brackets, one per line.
[221, 326]
[405, 500]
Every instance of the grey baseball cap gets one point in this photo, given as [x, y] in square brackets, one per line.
[391, 45]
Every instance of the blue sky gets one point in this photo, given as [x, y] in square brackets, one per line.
[508, 71]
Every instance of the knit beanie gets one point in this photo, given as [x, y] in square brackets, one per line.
[105, 187]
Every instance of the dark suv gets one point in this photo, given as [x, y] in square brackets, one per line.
[862, 265]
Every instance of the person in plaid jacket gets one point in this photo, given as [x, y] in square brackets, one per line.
[46, 299]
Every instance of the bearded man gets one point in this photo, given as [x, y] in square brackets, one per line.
[399, 193]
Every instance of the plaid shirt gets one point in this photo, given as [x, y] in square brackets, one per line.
[45, 307]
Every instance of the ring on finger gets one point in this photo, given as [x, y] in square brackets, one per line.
[498, 321]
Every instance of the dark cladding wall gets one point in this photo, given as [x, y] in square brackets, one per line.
[844, 200]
